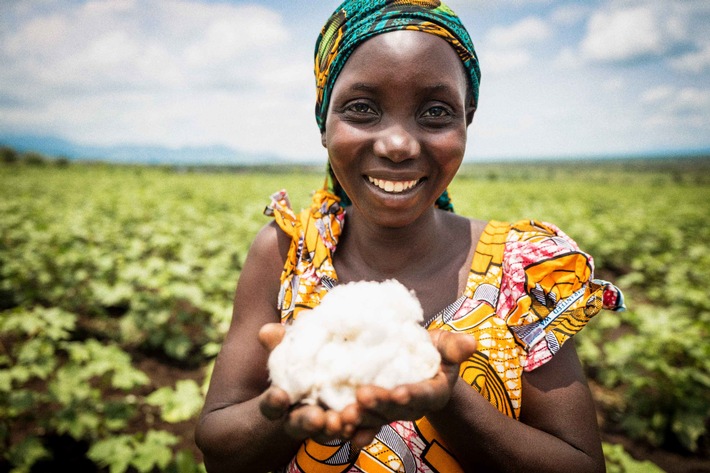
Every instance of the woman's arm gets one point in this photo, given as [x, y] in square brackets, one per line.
[557, 429]
[232, 433]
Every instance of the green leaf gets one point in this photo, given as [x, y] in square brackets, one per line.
[114, 453]
[179, 404]
[154, 451]
[185, 463]
[619, 461]
[26, 453]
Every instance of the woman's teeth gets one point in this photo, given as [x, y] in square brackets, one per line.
[392, 186]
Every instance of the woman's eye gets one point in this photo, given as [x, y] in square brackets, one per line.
[436, 112]
[360, 108]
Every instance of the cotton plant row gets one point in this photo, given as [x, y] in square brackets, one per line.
[84, 252]
[85, 390]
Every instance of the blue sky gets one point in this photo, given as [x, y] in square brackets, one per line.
[559, 78]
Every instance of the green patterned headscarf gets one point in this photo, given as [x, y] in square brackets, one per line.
[356, 21]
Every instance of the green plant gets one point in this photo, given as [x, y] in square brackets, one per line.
[179, 404]
[619, 461]
[144, 452]
[59, 385]
[138, 264]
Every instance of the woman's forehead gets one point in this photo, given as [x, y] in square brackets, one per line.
[403, 56]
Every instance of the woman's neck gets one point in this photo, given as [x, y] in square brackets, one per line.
[370, 251]
[432, 256]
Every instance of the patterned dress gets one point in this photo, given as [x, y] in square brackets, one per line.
[529, 289]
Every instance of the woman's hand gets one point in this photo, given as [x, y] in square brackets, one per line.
[375, 406]
[303, 420]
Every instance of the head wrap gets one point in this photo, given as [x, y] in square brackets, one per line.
[356, 21]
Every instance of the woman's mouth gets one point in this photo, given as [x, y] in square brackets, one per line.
[393, 187]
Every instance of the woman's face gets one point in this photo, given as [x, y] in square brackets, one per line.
[396, 125]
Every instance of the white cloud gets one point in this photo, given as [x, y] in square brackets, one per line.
[174, 73]
[694, 62]
[671, 106]
[158, 43]
[614, 84]
[202, 72]
[622, 35]
[227, 38]
[568, 58]
[501, 62]
[522, 33]
[630, 32]
[686, 100]
[506, 48]
[570, 14]
[657, 94]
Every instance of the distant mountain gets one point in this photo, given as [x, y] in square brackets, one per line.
[226, 156]
[136, 154]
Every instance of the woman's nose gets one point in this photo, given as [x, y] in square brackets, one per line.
[396, 143]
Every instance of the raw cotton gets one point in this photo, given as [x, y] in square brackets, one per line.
[362, 333]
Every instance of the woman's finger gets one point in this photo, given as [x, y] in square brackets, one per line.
[270, 335]
[333, 424]
[363, 437]
[305, 421]
[453, 347]
[274, 403]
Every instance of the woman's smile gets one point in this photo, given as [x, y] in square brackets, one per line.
[393, 186]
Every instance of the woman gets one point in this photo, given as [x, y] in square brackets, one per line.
[397, 89]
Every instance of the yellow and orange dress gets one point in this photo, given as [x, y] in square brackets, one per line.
[529, 289]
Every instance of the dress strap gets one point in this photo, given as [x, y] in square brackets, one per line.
[484, 277]
[314, 232]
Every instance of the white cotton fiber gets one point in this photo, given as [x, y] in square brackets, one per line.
[362, 333]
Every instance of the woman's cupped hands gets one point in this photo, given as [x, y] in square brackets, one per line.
[375, 406]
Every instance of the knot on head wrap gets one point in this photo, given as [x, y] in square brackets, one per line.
[356, 21]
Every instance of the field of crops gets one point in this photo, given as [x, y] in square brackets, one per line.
[116, 286]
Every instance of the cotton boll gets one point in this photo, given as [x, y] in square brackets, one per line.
[337, 396]
[362, 333]
[405, 367]
[296, 352]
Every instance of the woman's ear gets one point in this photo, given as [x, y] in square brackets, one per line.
[470, 111]
[322, 139]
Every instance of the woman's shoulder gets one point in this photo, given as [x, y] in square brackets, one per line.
[530, 228]
[270, 244]
[541, 247]
[537, 237]
[319, 224]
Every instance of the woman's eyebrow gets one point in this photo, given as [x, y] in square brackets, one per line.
[438, 87]
[363, 87]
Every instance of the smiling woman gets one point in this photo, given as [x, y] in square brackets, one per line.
[394, 120]
[397, 88]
